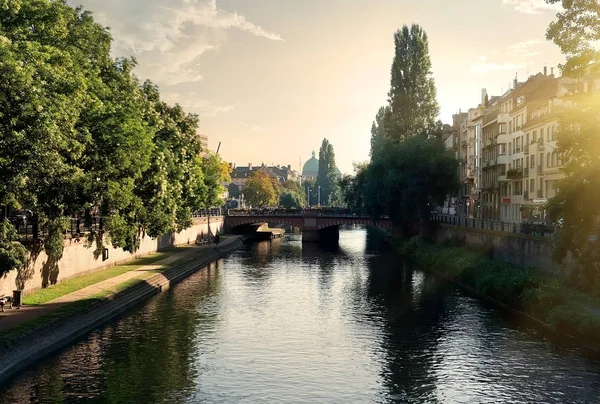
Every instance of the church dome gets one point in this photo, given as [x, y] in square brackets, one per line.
[311, 167]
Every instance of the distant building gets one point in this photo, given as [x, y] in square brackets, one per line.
[239, 175]
[311, 168]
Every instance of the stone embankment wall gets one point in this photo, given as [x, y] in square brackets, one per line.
[79, 257]
[516, 249]
[52, 337]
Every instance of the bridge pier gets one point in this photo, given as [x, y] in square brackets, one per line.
[328, 234]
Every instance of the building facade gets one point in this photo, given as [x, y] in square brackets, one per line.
[506, 146]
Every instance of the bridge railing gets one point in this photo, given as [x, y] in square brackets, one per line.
[339, 213]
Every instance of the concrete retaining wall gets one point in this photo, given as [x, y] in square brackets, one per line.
[79, 258]
[516, 249]
[54, 337]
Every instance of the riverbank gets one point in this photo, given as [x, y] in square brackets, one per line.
[84, 315]
[548, 302]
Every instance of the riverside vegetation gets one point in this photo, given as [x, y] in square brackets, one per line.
[550, 301]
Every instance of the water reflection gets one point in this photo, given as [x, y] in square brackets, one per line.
[286, 322]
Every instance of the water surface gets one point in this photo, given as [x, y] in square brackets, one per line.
[282, 322]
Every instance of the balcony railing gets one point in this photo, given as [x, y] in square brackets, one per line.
[514, 173]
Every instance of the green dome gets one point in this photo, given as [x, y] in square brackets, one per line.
[311, 167]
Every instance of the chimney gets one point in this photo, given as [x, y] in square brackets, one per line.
[249, 166]
[552, 71]
[289, 167]
[516, 81]
[483, 95]
[545, 71]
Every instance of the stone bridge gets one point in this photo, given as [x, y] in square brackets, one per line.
[315, 225]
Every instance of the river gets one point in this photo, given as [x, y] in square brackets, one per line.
[282, 322]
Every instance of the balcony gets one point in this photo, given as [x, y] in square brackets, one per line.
[514, 174]
[502, 158]
[503, 138]
[503, 117]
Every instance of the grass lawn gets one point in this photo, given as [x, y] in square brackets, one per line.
[14, 335]
[80, 282]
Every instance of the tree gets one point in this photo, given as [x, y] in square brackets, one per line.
[379, 129]
[352, 188]
[576, 31]
[412, 103]
[216, 172]
[261, 190]
[576, 207]
[292, 195]
[233, 191]
[327, 175]
[408, 180]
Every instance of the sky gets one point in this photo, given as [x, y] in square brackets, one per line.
[270, 79]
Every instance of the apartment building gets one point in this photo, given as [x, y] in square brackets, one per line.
[509, 163]
[490, 192]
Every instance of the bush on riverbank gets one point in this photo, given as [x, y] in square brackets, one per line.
[521, 288]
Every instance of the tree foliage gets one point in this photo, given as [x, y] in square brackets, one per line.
[576, 207]
[327, 175]
[80, 135]
[577, 31]
[410, 170]
[292, 195]
[412, 104]
[261, 190]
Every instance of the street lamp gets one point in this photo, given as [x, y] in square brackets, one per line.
[309, 197]
[319, 196]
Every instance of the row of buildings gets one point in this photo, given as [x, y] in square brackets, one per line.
[506, 147]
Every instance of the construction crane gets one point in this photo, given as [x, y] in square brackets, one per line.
[218, 148]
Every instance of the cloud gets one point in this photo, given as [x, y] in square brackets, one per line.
[191, 103]
[254, 128]
[518, 56]
[483, 66]
[530, 6]
[168, 37]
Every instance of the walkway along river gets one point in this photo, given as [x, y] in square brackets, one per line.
[284, 322]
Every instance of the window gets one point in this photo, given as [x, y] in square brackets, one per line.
[553, 132]
[534, 138]
[542, 133]
[548, 160]
[553, 159]
[532, 185]
[527, 137]
[533, 161]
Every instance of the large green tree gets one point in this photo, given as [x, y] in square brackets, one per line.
[81, 136]
[292, 195]
[576, 207]
[261, 190]
[327, 174]
[412, 97]
[577, 31]
[409, 179]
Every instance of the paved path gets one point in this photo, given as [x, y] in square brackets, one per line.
[11, 318]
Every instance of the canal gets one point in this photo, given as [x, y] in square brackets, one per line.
[280, 322]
